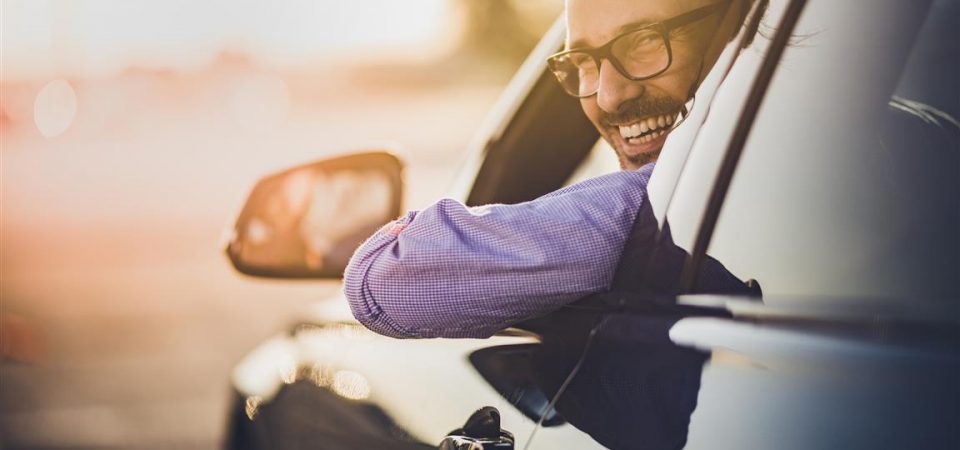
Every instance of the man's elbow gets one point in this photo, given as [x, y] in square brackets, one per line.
[379, 323]
[388, 295]
[356, 288]
[408, 324]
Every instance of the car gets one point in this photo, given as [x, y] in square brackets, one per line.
[820, 159]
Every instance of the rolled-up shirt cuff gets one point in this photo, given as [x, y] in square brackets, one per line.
[362, 304]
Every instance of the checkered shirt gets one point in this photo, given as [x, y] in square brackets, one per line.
[461, 272]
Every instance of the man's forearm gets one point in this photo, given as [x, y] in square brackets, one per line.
[454, 271]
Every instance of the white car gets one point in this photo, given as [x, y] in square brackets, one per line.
[824, 164]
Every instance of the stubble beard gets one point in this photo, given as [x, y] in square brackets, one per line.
[631, 111]
[635, 162]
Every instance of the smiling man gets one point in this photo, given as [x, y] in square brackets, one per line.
[635, 63]
[454, 271]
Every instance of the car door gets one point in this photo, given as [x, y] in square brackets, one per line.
[842, 205]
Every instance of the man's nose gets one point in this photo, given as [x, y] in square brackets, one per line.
[615, 89]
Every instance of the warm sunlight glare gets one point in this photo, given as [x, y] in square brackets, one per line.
[91, 38]
[259, 102]
[55, 108]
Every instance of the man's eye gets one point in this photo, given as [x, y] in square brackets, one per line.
[644, 40]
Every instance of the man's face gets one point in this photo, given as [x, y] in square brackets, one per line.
[621, 106]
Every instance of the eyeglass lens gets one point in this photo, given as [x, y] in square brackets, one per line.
[639, 54]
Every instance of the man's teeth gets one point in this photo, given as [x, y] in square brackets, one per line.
[647, 129]
[647, 137]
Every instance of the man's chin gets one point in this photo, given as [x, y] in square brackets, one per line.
[634, 155]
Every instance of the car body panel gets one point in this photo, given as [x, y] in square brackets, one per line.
[749, 372]
[356, 365]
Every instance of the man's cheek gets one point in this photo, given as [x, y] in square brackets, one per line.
[587, 105]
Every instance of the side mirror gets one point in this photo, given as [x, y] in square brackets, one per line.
[305, 222]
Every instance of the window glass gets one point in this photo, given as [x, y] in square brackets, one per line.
[837, 192]
[687, 167]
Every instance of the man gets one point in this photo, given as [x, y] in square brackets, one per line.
[634, 98]
[454, 271]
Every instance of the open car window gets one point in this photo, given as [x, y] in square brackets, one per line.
[602, 374]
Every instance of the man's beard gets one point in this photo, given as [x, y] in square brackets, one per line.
[632, 111]
[636, 161]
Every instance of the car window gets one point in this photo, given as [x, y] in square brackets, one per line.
[601, 160]
[937, 46]
[607, 385]
[839, 192]
[690, 158]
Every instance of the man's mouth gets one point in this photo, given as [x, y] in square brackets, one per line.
[646, 129]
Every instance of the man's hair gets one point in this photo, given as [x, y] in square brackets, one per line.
[751, 28]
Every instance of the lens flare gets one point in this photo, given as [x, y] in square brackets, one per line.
[54, 108]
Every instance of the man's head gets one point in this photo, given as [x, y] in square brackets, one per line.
[645, 76]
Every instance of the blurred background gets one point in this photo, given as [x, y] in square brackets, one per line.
[131, 132]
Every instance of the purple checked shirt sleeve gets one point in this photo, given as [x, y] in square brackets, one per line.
[460, 272]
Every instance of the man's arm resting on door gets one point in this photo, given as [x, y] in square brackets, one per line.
[454, 271]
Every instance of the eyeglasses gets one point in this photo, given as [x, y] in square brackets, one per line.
[638, 54]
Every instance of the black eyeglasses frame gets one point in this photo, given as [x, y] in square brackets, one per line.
[663, 28]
